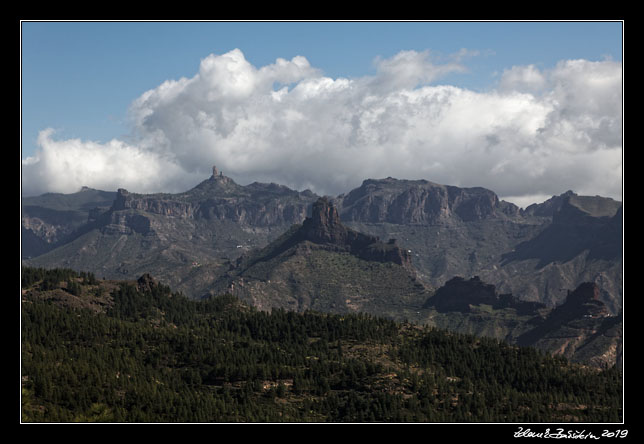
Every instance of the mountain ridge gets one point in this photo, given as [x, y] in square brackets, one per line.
[186, 238]
[403, 201]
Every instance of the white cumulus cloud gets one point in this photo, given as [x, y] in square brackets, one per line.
[64, 166]
[539, 133]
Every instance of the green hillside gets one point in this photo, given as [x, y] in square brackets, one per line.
[310, 276]
[110, 351]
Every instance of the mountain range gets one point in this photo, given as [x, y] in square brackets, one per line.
[276, 247]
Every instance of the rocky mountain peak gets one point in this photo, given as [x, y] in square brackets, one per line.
[324, 224]
[218, 176]
[119, 201]
[324, 229]
[324, 213]
[570, 205]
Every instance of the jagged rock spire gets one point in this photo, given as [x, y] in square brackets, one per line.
[324, 224]
[218, 176]
[324, 227]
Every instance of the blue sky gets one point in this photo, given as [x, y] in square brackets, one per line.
[80, 78]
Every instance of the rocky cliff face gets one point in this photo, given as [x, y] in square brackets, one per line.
[420, 202]
[220, 198]
[155, 204]
[324, 227]
[122, 222]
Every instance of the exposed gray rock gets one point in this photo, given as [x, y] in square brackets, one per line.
[420, 202]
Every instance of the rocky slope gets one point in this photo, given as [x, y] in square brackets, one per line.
[579, 224]
[172, 236]
[48, 220]
[325, 266]
[581, 329]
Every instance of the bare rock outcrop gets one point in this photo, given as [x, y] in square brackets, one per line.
[580, 329]
[324, 227]
[219, 198]
[421, 202]
[459, 294]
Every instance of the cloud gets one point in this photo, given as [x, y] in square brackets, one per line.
[540, 132]
[522, 78]
[408, 69]
[64, 166]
